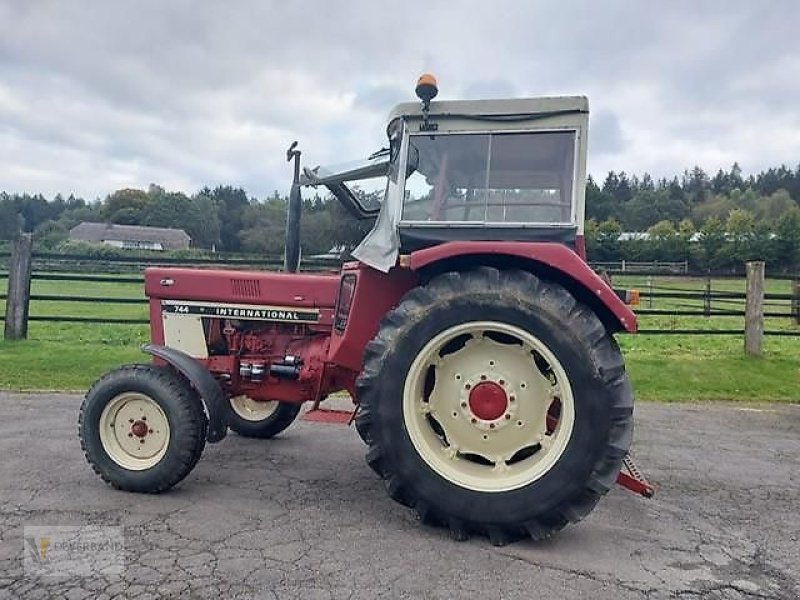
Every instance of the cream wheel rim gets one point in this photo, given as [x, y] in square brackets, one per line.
[488, 406]
[134, 431]
[253, 410]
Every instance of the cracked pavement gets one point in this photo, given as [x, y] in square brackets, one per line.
[302, 516]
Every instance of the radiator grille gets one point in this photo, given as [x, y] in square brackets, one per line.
[248, 288]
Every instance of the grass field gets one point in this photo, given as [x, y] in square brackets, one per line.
[62, 356]
[69, 356]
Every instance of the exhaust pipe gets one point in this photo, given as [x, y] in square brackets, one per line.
[291, 261]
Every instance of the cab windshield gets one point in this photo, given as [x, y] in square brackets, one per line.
[511, 178]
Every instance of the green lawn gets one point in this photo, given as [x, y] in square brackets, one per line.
[684, 368]
[69, 356]
[709, 367]
[61, 356]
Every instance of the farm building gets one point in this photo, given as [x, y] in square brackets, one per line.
[131, 236]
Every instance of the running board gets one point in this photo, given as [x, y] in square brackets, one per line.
[329, 415]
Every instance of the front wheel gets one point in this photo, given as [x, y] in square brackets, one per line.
[259, 419]
[493, 402]
[142, 428]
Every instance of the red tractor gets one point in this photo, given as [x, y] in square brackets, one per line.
[476, 343]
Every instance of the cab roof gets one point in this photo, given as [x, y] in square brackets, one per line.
[510, 107]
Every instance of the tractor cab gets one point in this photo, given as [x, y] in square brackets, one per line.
[478, 170]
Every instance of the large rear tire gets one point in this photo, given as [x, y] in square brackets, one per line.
[142, 428]
[494, 403]
[262, 420]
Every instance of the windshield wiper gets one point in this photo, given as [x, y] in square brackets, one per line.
[378, 154]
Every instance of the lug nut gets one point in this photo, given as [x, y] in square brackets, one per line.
[463, 405]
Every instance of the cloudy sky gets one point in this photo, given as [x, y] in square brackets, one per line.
[95, 96]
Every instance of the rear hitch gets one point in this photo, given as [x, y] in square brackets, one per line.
[632, 479]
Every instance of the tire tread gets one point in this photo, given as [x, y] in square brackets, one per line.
[606, 360]
[189, 427]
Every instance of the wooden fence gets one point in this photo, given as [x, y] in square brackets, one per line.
[656, 266]
[678, 301]
[112, 264]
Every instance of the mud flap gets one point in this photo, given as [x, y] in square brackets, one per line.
[214, 402]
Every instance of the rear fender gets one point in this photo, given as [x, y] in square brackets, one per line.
[214, 401]
[548, 260]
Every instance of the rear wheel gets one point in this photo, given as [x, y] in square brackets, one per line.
[495, 437]
[494, 403]
[142, 428]
[257, 419]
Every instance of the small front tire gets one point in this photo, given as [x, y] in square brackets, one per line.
[142, 428]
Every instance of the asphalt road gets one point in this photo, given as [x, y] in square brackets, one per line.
[302, 516]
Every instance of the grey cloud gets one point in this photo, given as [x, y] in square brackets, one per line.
[606, 133]
[188, 93]
[380, 97]
[490, 88]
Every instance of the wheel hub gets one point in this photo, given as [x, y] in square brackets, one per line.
[139, 429]
[488, 401]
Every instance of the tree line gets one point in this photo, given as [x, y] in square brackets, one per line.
[224, 219]
[714, 222]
